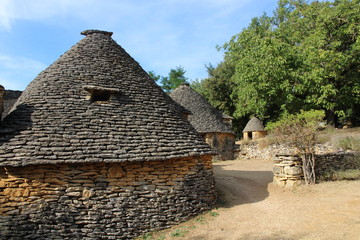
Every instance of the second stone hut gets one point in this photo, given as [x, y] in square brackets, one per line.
[211, 124]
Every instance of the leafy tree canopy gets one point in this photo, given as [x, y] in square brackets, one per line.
[175, 78]
[306, 56]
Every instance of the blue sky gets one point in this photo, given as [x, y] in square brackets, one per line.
[159, 34]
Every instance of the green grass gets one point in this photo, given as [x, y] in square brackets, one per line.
[180, 232]
[349, 143]
[213, 214]
[351, 174]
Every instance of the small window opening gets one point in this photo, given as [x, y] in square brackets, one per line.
[100, 96]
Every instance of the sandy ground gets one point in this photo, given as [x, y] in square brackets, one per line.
[251, 207]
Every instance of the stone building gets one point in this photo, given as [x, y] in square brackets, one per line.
[9, 99]
[96, 150]
[254, 129]
[213, 126]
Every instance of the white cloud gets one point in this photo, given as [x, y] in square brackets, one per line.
[5, 13]
[15, 72]
[160, 34]
[19, 63]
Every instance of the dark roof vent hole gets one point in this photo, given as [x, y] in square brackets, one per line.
[100, 96]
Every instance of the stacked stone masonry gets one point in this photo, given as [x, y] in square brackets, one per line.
[102, 200]
[327, 164]
[255, 150]
[224, 143]
[287, 170]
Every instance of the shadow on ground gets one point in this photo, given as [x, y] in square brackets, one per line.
[236, 187]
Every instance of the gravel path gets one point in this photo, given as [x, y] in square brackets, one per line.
[251, 207]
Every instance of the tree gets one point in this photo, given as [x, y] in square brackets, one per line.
[300, 131]
[154, 76]
[306, 56]
[175, 78]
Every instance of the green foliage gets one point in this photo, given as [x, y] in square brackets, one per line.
[213, 214]
[306, 56]
[153, 76]
[298, 130]
[175, 78]
[147, 236]
[180, 232]
[351, 174]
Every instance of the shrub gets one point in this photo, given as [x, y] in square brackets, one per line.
[300, 131]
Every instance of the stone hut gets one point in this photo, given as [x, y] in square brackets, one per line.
[96, 150]
[213, 126]
[9, 100]
[254, 129]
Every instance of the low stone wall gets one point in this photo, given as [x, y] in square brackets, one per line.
[256, 150]
[288, 168]
[102, 200]
[328, 164]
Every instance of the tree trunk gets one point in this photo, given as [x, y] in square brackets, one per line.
[309, 167]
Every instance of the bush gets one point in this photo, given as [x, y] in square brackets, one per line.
[298, 130]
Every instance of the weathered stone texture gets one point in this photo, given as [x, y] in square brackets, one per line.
[287, 170]
[214, 126]
[327, 164]
[55, 119]
[254, 149]
[102, 200]
[10, 99]
[224, 143]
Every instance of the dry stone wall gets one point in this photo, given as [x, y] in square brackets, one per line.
[102, 200]
[288, 171]
[255, 150]
[328, 164]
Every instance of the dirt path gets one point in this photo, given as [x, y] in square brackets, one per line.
[251, 207]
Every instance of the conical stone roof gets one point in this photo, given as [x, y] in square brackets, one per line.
[254, 125]
[60, 119]
[204, 117]
[10, 99]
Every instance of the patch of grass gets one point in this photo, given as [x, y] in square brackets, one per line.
[147, 236]
[201, 219]
[213, 214]
[152, 236]
[180, 232]
[349, 143]
[351, 174]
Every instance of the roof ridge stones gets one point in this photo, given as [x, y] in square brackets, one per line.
[204, 117]
[55, 120]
